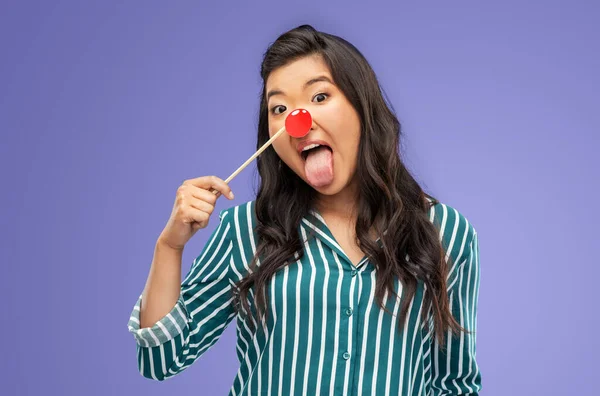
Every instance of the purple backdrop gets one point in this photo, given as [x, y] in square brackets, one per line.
[106, 108]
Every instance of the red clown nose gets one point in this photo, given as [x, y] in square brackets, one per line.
[298, 123]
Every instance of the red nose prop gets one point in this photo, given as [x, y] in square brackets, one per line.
[298, 123]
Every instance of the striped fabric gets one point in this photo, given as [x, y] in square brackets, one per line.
[326, 334]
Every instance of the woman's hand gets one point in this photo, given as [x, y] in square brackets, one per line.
[194, 204]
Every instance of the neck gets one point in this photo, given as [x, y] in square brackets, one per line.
[342, 204]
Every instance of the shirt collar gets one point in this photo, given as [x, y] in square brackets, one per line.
[314, 223]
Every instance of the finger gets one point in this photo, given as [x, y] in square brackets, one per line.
[211, 182]
[197, 215]
[202, 205]
[203, 195]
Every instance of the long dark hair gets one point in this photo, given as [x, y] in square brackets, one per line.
[389, 200]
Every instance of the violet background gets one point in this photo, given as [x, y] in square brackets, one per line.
[106, 107]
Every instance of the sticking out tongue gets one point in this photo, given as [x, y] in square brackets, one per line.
[319, 166]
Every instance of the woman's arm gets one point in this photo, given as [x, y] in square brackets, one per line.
[455, 368]
[163, 285]
[198, 311]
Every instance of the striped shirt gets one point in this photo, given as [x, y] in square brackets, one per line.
[325, 334]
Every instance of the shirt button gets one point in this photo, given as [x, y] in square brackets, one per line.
[354, 272]
[346, 355]
[349, 311]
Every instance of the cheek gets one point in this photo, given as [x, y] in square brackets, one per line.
[283, 149]
[348, 140]
[345, 124]
[278, 149]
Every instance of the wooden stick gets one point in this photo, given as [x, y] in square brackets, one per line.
[260, 150]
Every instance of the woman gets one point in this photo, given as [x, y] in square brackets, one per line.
[363, 283]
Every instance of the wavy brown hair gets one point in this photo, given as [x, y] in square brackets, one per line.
[389, 198]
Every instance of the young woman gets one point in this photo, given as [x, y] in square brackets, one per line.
[343, 275]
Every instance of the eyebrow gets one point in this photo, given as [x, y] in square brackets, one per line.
[306, 85]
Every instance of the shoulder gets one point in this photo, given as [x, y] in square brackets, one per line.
[241, 218]
[456, 231]
[237, 211]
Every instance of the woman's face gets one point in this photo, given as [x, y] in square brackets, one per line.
[307, 83]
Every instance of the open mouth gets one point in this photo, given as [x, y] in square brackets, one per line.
[312, 148]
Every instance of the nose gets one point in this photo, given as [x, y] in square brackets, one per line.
[313, 127]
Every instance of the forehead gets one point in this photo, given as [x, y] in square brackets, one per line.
[294, 74]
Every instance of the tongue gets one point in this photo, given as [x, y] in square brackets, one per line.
[319, 167]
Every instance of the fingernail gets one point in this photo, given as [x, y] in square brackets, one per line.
[231, 195]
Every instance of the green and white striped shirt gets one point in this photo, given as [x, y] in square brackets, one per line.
[325, 335]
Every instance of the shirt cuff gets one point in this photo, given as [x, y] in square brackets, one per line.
[167, 328]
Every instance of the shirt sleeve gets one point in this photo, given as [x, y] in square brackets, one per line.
[455, 368]
[200, 315]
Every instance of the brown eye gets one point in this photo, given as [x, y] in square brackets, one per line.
[274, 110]
[323, 95]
